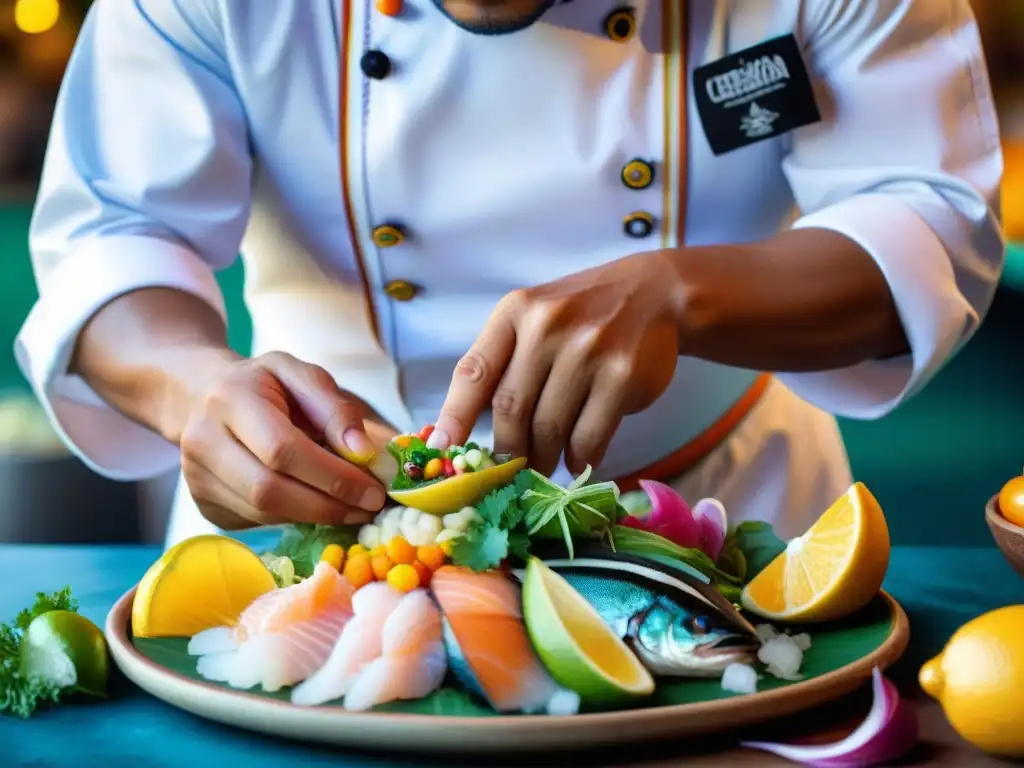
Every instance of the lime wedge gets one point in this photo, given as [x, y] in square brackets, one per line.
[579, 650]
[451, 495]
[67, 650]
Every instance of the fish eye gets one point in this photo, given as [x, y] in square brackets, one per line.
[699, 625]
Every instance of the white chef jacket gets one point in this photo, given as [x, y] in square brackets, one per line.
[187, 130]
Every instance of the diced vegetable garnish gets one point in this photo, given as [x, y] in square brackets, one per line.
[358, 570]
[404, 578]
[333, 555]
[381, 566]
[401, 551]
[418, 465]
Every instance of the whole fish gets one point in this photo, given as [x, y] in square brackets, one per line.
[676, 625]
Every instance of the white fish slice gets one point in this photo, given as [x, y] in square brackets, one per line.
[276, 659]
[402, 677]
[214, 640]
[358, 645]
[412, 626]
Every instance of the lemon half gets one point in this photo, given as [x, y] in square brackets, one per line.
[203, 582]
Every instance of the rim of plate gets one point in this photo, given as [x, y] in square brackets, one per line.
[399, 731]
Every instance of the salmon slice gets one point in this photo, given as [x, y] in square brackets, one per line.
[488, 647]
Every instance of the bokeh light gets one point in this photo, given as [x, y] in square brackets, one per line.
[36, 16]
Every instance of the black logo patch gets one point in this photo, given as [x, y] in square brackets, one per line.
[754, 94]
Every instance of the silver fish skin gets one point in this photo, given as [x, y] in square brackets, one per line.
[676, 625]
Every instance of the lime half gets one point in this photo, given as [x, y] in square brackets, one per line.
[67, 650]
[579, 650]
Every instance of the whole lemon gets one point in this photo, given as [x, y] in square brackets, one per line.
[979, 681]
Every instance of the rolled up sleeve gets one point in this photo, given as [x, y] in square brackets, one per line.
[907, 163]
[146, 184]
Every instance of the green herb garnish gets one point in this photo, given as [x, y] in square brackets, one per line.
[21, 695]
[749, 548]
[303, 543]
[581, 510]
[498, 534]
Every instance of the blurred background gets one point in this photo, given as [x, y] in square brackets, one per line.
[933, 464]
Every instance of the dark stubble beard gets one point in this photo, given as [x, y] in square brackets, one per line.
[493, 17]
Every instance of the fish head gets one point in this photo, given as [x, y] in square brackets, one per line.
[675, 640]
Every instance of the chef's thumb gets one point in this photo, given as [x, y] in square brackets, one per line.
[335, 414]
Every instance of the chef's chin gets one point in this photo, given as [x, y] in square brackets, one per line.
[494, 17]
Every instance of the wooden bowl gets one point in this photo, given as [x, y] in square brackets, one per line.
[1009, 537]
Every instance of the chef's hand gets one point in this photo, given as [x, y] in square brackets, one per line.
[252, 455]
[561, 364]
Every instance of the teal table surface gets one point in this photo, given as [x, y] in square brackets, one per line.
[940, 589]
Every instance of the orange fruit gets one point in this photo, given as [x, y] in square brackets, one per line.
[833, 570]
[1011, 501]
[227, 573]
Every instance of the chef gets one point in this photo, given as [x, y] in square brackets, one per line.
[668, 239]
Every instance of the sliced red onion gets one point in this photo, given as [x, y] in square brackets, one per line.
[888, 732]
[670, 515]
[712, 522]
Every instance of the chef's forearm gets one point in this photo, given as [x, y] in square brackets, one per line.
[805, 300]
[150, 353]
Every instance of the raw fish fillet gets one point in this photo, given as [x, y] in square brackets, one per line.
[412, 663]
[394, 678]
[325, 589]
[487, 642]
[282, 638]
[359, 644]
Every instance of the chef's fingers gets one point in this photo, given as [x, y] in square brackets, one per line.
[474, 381]
[286, 450]
[599, 418]
[257, 492]
[515, 398]
[337, 417]
[564, 394]
[218, 503]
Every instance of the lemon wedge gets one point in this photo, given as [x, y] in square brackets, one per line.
[579, 650]
[833, 570]
[203, 582]
[454, 493]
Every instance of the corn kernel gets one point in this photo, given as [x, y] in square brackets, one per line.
[333, 555]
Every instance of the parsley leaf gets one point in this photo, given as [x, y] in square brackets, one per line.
[21, 695]
[497, 505]
[519, 544]
[58, 601]
[482, 548]
[498, 534]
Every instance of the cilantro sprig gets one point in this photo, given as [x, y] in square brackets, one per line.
[500, 533]
[21, 695]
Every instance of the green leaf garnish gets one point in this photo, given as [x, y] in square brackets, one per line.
[757, 543]
[482, 548]
[303, 543]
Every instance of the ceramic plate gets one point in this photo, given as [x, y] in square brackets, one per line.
[840, 660]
